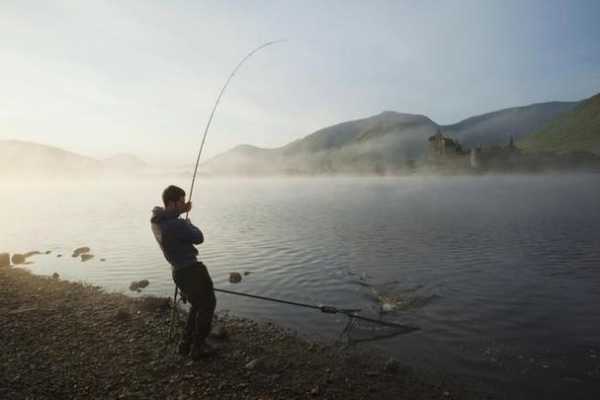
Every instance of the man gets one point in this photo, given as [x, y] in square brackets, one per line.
[177, 237]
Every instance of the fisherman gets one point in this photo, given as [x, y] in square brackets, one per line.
[177, 237]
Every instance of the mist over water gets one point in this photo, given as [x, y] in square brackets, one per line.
[500, 272]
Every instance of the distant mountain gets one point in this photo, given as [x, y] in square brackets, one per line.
[22, 159]
[574, 131]
[375, 144]
[124, 161]
[497, 127]
[386, 142]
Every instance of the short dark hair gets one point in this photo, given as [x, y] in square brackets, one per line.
[172, 193]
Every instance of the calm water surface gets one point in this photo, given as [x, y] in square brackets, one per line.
[501, 273]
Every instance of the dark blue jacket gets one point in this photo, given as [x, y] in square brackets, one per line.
[176, 237]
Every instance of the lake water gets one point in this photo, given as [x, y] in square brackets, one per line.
[502, 273]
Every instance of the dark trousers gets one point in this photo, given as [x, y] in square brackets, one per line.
[195, 283]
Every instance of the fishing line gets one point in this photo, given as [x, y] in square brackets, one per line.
[354, 320]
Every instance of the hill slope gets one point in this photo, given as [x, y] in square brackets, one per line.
[22, 159]
[497, 127]
[384, 141]
[577, 130]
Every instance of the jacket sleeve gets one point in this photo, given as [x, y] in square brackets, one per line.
[188, 232]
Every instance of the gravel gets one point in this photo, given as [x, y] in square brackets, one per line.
[66, 340]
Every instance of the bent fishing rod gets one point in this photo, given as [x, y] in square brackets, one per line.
[350, 313]
[206, 128]
[214, 109]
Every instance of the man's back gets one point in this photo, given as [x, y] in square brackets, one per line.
[176, 237]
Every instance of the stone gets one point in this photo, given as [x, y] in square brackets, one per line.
[154, 304]
[246, 273]
[48, 251]
[391, 365]
[235, 277]
[137, 286]
[143, 283]
[4, 259]
[80, 250]
[387, 307]
[18, 259]
[102, 259]
[55, 276]
[218, 332]
[85, 257]
[58, 255]
[253, 364]
[122, 315]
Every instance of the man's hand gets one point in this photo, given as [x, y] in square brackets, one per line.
[187, 207]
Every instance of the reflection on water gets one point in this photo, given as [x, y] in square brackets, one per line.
[501, 273]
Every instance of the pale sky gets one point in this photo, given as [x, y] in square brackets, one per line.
[107, 77]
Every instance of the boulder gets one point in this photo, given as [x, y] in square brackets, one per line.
[85, 257]
[235, 277]
[137, 286]
[143, 283]
[4, 259]
[80, 250]
[18, 259]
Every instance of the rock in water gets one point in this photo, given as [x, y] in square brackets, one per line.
[18, 259]
[137, 286]
[143, 283]
[235, 277]
[80, 250]
[85, 257]
[4, 259]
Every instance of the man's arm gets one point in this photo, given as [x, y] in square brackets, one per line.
[188, 232]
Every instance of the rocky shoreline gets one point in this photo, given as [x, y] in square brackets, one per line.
[66, 340]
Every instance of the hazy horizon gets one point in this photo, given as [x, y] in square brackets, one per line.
[107, 78]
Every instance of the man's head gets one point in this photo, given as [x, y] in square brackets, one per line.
[174, 198]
